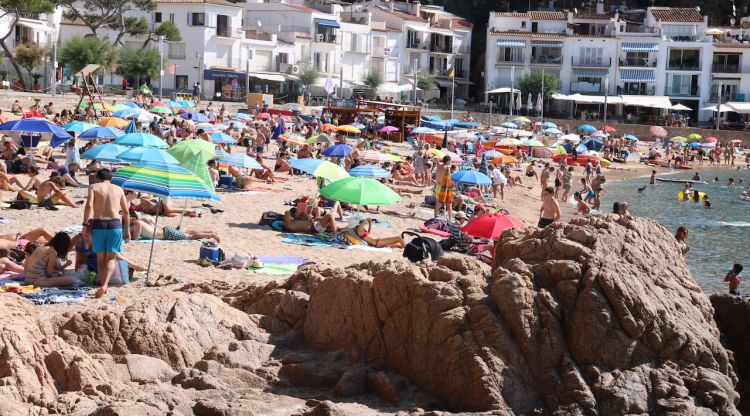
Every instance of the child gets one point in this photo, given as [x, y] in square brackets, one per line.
[734, 278]
[581, 206]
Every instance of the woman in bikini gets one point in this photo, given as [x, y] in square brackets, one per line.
[41, 268]
[163, 208]
[364, 234]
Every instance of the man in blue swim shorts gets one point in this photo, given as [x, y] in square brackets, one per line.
[106, 211]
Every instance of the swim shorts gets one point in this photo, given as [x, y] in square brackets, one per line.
[106, 236]
[174, 234]
[543, 222]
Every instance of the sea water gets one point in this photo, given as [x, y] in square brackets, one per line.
[718, 236]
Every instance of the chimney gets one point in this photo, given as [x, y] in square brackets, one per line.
[416, 8]
[600, 7]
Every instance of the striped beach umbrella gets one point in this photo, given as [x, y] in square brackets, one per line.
[240, 160]
[320, 168]
[374, 156]
[148, 155]
[369, 171]
[294, 139]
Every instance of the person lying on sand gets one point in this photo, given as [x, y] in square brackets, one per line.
[241, 180]
[37, 235]
[144, 228]
[364, 230]
[301, 222]
[147, 206]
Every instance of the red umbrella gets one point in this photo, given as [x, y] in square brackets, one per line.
[159, 104]
[710, 140]
[263, 116]
[736, 141]
[608, 129]
[490, 226]
[32, 114]
[658, 131]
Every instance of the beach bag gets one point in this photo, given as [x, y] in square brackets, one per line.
[437, 224]
[20, 204]
[421, 248]
[269, 217]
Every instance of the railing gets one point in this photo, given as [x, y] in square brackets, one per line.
[324, 38]
[176, 55]
[685, 38]
[725, 68]
[502, 61]
[359, 20]
[223, 31]
[418, 45]
[441, 48]
[592, 63]
[442, 72]
[684, 66]
[682, 92]
[725, 97]
[638, 63]
[586, 87]
[547, 59]
[636, 90]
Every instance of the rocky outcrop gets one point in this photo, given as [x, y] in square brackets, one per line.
[594, 316]
[731, 317]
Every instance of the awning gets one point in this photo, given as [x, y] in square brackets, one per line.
[546, 44]
[594, 99]
[637, 75]
[444, 32]
[739, 107]
[444, 82]
[511, 43]
[417, 28]
[649, 101]
[639, 47]
[590, 72]
[328, 23]
[503, 90]
[268, 77]
[35, 25]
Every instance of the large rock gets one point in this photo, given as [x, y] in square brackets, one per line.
[731, 315]
[595, 316]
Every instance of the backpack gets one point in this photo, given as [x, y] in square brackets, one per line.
[269, 217]
[421, 248]
[20, 204]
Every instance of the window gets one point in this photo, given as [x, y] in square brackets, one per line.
[222, 26]
[684, 59]
[546, 55]
[591, 56]
[176, 50]
[523, 24]
[282, 58]
[171, 17]
[197, 19]
[180, 82]
[458, 65]
[157, 17]
[683, 85]
[726, 63]
[509, 54]
[412, 39]
[636, 59]
[320, 61]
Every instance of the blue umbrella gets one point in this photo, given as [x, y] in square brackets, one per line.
[307, 165]
[509, 125]
[629, 136]
[422, 130]
[236, 124]
[127, 113]
[104, 152]
[186, 103]
[197, 117]
[131, 104]
[586, 127]
[467, 124]
[471, 177]
[241, 160]
[549, 124]
[339, 150]
[241, 116]
[78, 126]
[492, 154]
[220, 153]
[370, 171]
[57, 134]
[358, 125]
[552, 130]
[103, 132]
[694, 144]
[593, 144]
[148, 155]
[141, 139]
[131, 127]
[173, 104]
[483, 168]
[581, 149]
[221, 138]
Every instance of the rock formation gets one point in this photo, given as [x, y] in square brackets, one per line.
[731, 317]
[597, 316]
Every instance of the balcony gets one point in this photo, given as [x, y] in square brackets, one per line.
[683, 66]
[441, 48]
[725, 68]
[587, 88]
[223, 31]
[416, 44]
[582, 61]
[637, 63]
[502, 60]
[673, 91]
[325, 37]
[636, 89]
[546, 60]
[441, 72]
[726, 97]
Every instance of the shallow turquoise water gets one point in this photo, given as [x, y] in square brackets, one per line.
[719, 236]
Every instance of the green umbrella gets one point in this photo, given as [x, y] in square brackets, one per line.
[144, 89]
[531, 143]
[360, 191]
[188, 149]
[160, 110]
[677, 139]
[694, 137]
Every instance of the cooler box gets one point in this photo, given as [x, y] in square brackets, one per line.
[226, 180]
[211, 253]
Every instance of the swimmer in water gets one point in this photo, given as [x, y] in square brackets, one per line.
[731, 183]
[716, 179]
[706, 202]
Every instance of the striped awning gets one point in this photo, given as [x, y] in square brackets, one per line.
[590, 72]
[637, 75]
[639, 47]
[511, 43]
[546, 44]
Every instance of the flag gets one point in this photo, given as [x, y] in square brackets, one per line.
[452, 74]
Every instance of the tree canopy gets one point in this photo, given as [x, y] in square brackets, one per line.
[139, 63]
[532, 83]
[79, 52]
[99, 14]
[16, 8]
[29, 56]
[373, 79]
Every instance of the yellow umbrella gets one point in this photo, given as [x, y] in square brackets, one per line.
[508, 142]
[113, 122]
[436, 153]
[348, 129]
[395, 158]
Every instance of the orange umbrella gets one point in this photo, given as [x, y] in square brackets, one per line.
[502, 160]
[113, 122]
[328, 127]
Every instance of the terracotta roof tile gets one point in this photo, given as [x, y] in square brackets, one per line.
[732, 45]
[462, 23]
[402, 15]
[668, 14]
[215, 2]
[511, 14]
[538, 15]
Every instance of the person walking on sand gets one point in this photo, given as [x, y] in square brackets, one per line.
[550, 210]
[444, 192]
[106, 210]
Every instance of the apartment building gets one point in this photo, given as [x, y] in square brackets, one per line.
[655, 56]
[38, 28]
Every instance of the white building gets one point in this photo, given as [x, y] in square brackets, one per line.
[660, 52]
[37, 28]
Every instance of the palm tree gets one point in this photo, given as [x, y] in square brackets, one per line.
[425, 82]
[308, 76]
[373, 79]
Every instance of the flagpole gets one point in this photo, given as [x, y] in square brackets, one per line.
[453, 89]
[542, 98]
[512, 90]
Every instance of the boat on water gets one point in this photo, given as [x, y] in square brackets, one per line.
[668, 180]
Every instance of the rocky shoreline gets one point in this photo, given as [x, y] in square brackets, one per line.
[595, 316]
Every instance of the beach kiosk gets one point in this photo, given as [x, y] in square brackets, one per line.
[403, 117]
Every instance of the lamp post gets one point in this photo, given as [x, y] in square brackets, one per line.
[161, 66]
[718, 105]
[54, 60]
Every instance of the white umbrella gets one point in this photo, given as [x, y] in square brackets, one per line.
[529, 104]
[571, 137]
[539, 102]
[680, 107]
[329, 87]
[722, 109]
[519, 103]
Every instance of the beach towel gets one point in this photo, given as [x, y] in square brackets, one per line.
[444, 191]
[282, 260]
[317, 240]
[51, 295]
[237, 191]
[277, 269]
[434, 231]
[148, 240]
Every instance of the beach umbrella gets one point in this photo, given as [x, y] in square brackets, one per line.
[694, 136]
[504, 160]
[293, 139]
[262, 116]
[241, 116]
[519, 102]
[608, 129]
[360, 191]
[113, 122]
[509, 125]
[160, 110]
[587, 128]
[320, 168]
[571, 138]
[104, 152]
[99, 106]
[677, 139]
[240, 160]
[483, 168]
[491, 226]
[78, 126]
[529, 103]
[173, 104]
[657, 131]
[508, 141]
[455, 157]
[709, 144]
[710, 140]
[163, 181]
[131, 128]
[130, 104]
[422, 130]
[141, 139]
[374, 156]
[395, 158]
[118, 107]
[339, 150]
[278, 131]
[219, 137]
[237, 125]
[630, 137]
[208, 127]
[158, 104]
[56, 134]
[552, 131]
[549, 124]
[387, 129]
[348, 129]
[134, 114]
[220, 153]
[694, 144]
[531, 143]
[102, 132]
[186, 103]
[736, 141]
[369, 171]
[445, 140]
[144, 89]
[471, 177]
[148, 155]
[321, 138]
[327, 127]
[196, 117]
[188, 150]
[358, 125]
[598, 134]
[492, 154]
[521, 120]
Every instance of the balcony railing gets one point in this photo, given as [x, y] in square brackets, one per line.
[441, 48]
[518, 61]
[324, 38]
[725, 68]
[726, 97]
[682, 92]
[547, 59]
[636, 90]
[418, 45]
[441, 72]
[223, 31]
[683, 66]
[638, 63]
[590, 63]
[587, 88]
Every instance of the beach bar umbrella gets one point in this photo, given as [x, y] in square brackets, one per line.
[148, 155]
[339, 150]
[471, 177]
[360, 191]
[369, 171]
[104, 152]
[240, 160]
[491, 226]
[320, 168]
[56, 134]
[163, 181]
[141, 139]
[101, 132]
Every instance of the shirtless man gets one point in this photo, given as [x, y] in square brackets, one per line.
[106, 210]
[550, 211]
[652, 180]
[46, 190]
[299, 222]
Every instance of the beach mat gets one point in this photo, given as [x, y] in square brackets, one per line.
[433, 231]
[274, 269]
[309, 240]
[53, 295]
[282, 260]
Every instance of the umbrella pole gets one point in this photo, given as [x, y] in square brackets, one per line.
[153, 240]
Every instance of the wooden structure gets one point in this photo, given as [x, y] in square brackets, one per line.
[88, 89]
[403, 117]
